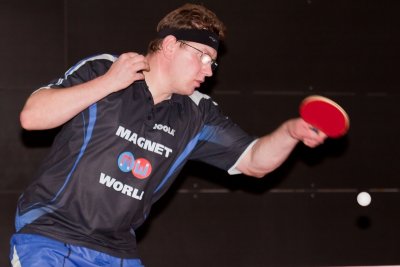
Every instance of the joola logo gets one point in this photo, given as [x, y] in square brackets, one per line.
[164, 128]
[120, 187]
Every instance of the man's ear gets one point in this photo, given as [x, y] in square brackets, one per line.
[169, 45]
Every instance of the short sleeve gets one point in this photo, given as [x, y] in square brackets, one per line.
[221, 142]
[85, 70]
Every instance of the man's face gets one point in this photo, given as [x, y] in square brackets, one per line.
[191, 66]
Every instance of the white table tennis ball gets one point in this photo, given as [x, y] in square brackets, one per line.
[363, 199]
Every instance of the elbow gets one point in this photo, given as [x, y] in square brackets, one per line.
[25, 120]
[32, 120]
[35, 115]
[28, 121]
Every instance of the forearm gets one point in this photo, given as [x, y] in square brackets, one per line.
[270, 151]
[50, 108]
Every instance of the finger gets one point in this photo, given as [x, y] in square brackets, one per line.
[136, 59]
[125, 57]
[313, 141]
[315, 130]
[129, 54]
[138, 76]
[141, 66]
[310, 143]
[321, 135]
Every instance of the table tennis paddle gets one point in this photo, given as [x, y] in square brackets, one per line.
[325, 115]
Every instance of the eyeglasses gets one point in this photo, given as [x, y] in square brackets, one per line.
[204, 57]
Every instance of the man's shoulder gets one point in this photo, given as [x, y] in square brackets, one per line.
[197, 97]
[99, 63]
[105, 59]
[204, 105]
[105, 56]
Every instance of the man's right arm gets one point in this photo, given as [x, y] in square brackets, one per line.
[49, 108]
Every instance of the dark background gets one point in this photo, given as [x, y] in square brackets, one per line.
[277, 52]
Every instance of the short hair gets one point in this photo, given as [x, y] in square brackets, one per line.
[189, 16]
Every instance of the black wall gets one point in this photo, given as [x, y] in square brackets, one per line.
[277, 52]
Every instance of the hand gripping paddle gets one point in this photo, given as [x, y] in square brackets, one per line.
[325, 115]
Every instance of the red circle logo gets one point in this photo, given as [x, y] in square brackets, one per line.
[142, 168]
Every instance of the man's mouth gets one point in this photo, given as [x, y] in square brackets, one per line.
[199, 82]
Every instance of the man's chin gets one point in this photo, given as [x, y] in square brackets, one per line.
[191, 90]
[188, 90]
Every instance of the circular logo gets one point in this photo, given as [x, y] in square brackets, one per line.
[126, 161]
[142, 168]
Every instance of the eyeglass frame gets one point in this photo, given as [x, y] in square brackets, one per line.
[212, 62]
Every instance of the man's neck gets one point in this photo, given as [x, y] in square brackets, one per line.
[156, 80]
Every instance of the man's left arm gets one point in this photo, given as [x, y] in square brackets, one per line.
[271, 150]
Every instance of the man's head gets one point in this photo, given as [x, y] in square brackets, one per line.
[186, 48]
[183, 23]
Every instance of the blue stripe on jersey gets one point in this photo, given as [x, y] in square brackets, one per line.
[204, 134]
[88, 136]
[30, 216]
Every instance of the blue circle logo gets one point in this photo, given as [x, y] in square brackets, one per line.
[126, 161]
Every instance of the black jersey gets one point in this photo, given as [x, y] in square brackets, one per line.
[112, 161]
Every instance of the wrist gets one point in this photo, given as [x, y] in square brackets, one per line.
[107, 84]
